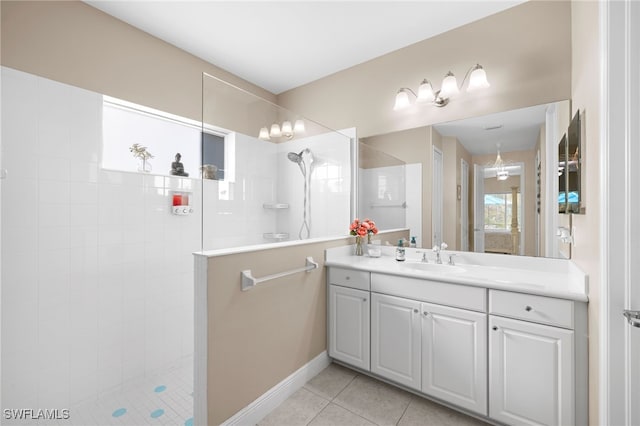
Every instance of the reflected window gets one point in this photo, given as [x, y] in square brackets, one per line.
[498, 211]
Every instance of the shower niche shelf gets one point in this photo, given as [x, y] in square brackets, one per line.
[275, 206]
[276, 236]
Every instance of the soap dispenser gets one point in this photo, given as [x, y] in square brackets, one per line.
[400, 255]
[413, 243]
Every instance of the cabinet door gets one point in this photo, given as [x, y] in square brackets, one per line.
[395, 339]
[454, 356]
[530, 373]
[349, 326]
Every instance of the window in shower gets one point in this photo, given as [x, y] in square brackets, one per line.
[164, 135]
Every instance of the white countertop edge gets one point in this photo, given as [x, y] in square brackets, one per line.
[574, 288]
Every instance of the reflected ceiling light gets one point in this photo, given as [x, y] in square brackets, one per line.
[298, 126]
[286, 130]
[449, 88]
[275, 131]
[264, 134]
[501, 172]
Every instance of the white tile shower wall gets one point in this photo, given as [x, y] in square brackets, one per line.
[97, 281]
[330, 186]
[233, 211]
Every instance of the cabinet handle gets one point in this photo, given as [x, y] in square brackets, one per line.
[364, 300]
[495, 328]
[415, 311]
[528, 308]
[348, 278]
[426, 313]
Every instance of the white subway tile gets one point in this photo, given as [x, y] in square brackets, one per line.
[84, 192]
[53, 192]
[83, 237]
[83, 171]
[53, 386]
[54, 238]
[53, 216]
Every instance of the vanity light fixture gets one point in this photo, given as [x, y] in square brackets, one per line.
[449, 88]
[285, 130]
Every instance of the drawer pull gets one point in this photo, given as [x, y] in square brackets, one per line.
[347, 278]
[364, 300]
[528, 308]
[495, 328]
[415, 311]
[426, 314]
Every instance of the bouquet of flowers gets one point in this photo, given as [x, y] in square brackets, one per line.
[361, 228]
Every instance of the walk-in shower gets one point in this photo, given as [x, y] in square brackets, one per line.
[299, 159]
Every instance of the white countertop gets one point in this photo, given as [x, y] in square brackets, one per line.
[546, 277]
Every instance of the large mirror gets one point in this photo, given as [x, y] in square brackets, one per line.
[484, 181]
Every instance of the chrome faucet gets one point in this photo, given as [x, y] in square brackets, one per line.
[451, 261]
[424, 256]
[436, 249]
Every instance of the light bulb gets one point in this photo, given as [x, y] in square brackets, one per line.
[402, 100]
[449, 86]
[264, 134]
[298, 126]
[478, 79]
[287, 130]
[275, 131]
[425, 92]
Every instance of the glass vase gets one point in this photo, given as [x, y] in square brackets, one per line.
[144, 166]
[359, 248]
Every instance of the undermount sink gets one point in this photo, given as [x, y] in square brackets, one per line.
[435, 267]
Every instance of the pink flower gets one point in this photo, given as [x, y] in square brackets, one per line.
[362, 232]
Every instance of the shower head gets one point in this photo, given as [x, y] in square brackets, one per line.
[296, 158]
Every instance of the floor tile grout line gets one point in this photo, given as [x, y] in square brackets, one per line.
[346, 386]
[405, 409]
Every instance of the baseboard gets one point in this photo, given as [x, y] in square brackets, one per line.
[258, 409]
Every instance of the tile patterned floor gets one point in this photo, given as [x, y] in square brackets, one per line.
[341, 397]
[163, 398]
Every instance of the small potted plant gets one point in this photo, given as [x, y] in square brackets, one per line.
[140, 152]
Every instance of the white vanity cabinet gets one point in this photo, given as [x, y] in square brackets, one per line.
[536, 376]
[507, 355]
[349, 317]
[454, 356]
[395, 339]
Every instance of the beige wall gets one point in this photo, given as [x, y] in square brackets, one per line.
[412, 146]
[529, 207]
[259, 337]
[585, 98]
[526, 51]
[71, 42]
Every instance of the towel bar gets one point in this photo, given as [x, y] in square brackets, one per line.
[249, 281]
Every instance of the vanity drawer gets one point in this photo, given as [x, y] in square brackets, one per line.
[540, 309]
[442, 293]
[349, 278]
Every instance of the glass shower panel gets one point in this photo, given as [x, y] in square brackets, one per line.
[273, 176]
[382, 182]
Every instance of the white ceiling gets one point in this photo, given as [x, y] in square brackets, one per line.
[282, 45]
[519, 131]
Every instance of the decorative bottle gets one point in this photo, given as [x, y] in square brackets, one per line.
[400, 254]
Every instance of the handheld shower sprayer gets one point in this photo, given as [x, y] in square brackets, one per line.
[299, 160]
